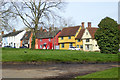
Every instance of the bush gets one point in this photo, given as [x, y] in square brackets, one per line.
[107, 36]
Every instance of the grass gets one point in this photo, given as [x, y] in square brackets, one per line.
[109, 73]
[19, 55]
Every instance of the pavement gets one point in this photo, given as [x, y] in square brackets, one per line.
[60, 70]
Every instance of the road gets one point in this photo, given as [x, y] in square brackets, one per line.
[59, 70]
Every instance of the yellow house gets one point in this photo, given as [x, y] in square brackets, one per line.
[67, 37]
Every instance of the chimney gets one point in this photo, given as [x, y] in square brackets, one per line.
[41, 29]
[44, 30]
[89, 24]
[83, 25]
[14, 30]
[50, 29]
[2, 32]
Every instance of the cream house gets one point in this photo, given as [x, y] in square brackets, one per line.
[89, 42]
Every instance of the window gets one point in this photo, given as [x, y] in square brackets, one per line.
[40, 46]
[62, 45]
[49, 39]
[77, 46]
[69, 37]
[61, 38]
[81, 46]
[78, 40]
[40, 39]
[70, 45]
[87, 40]
[86, 33]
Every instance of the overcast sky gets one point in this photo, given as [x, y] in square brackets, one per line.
[91, 11]
[84, 11]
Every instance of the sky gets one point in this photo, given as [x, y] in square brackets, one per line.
[86, 11]
[92, 12]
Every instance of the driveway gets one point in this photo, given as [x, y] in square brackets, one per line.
[59, 70]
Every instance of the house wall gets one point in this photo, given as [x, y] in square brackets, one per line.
[66, 46]
[46, 40]
[66, 39]
[92, 42]
[30, 40]
[17, 39]
[4, 41]
[36, 43]
[21, 43]
[79, 43]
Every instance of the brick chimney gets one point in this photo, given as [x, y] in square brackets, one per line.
[50, 29]
[83, 25]
[14, 30]
[89, 24]
[44, 30]
[41, 29]
[2, 32]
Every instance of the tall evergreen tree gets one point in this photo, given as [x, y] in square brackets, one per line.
[107, 36]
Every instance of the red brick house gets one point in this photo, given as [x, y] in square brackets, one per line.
[47, 40]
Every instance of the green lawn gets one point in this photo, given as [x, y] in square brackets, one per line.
[9, 54]
[110, 73]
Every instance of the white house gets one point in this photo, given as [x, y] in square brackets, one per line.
[13, 39]
[89, 42]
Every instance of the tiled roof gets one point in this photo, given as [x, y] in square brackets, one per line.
[69, 31]
[80, 34]
[26, 35]
[42, 34]
[92, 31]
[12, 33]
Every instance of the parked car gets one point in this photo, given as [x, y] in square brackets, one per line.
[74, 48]
[23, 47]
[7, 47]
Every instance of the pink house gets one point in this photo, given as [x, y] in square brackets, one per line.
[47, 40]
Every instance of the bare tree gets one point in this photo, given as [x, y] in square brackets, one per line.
[5, 17]
[66, 22]
[35, 12]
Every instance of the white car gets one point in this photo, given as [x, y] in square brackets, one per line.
[74, 48]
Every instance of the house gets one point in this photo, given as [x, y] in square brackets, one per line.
[13, 38]
[67, 37]
[88, 38]
[47, 39]
[26, 39]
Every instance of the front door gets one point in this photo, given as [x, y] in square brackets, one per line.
[88, 47]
